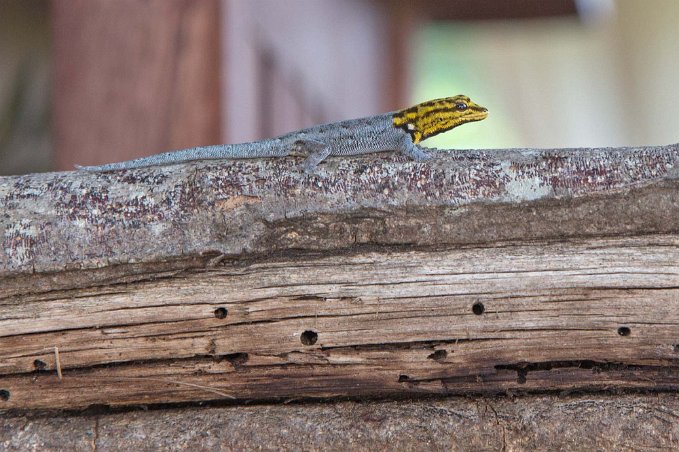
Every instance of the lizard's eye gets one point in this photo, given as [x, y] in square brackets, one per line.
[461, 106]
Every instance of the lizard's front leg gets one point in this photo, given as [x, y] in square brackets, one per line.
[414, 152]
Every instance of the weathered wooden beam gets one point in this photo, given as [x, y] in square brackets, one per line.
[478, 272]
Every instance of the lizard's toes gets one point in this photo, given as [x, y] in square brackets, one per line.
[422, 156]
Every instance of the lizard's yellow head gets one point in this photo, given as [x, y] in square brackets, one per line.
[440, 115]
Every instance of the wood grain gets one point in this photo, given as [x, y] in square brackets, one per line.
[387, 323]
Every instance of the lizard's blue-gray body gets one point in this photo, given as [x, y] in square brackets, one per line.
[396, 131]
[351, 137]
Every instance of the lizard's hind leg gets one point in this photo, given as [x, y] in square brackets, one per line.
[316, 152]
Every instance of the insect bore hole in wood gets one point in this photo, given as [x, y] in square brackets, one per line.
[521, 375]
[478, 308]
[624, 331]
[402, 378]
[237, 359]
[309, 337]
[4, 395]
[438, 355]
[39, 364]
[221, 313]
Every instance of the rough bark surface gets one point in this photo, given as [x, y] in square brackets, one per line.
[476, 273]
[57, 221]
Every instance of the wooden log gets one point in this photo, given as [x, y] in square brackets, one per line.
[478, 272]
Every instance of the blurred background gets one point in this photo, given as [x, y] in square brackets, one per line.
[95, 81]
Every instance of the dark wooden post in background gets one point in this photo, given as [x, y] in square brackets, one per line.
[134, 78]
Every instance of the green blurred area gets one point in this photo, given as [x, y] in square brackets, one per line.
[25, 136]
[578, 81]
[447, 63]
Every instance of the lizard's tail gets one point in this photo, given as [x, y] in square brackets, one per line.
[269, 148]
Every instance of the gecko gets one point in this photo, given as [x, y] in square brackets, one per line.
[400, 131]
